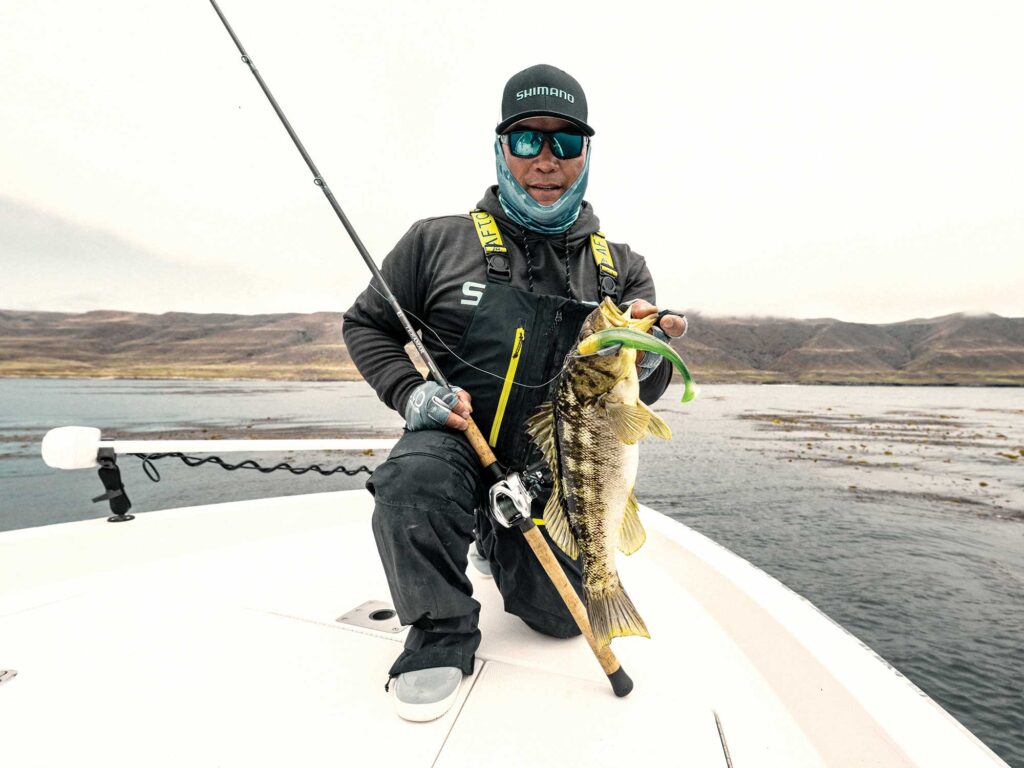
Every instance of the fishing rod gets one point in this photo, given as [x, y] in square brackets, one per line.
[509, 498]
[508, 492]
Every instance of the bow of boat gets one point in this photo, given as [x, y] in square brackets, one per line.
[211, 636]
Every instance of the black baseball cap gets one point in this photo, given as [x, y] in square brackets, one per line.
[543, 90]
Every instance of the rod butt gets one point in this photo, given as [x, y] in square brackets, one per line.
[622, 684]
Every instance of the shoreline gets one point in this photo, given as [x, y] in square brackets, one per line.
[1007, 381]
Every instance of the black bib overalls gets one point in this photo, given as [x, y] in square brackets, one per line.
[429, 498]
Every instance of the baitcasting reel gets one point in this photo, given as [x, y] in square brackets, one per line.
[511, 498]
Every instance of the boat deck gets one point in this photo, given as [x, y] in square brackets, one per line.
[209, 636]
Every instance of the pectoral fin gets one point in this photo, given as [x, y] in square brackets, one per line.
[631, 534]
[629, 422]
[657, 425]
[541, 427]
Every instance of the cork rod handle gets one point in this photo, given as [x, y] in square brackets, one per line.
[479, 443]
[621, 683]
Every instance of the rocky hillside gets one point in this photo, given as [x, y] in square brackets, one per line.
[956, 349]
[175, 344]
[953, 349]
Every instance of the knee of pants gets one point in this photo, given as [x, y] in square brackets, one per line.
[413, 484]
[546, 625]
[529, 594]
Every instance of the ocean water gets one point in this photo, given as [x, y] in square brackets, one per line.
[899, 511]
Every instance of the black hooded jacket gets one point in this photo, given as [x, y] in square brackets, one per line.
[437, 272]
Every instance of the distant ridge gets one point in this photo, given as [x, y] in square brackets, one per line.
[107, 343]
[954, 349]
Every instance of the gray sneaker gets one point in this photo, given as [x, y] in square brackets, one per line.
[426, 694]
[481, 563]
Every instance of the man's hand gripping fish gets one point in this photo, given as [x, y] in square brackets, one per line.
[588, 435]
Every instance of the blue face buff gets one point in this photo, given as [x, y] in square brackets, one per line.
[551, 219]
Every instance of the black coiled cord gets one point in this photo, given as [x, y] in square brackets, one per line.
[565, 256]
[194, 461]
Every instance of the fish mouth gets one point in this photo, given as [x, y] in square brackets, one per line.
[612, 315]
[615, 318]
[644, 324]
[592, 349]
[620, 318]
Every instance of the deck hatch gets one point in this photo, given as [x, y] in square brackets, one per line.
[376, 615]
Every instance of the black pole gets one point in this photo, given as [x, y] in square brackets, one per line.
[319, 181]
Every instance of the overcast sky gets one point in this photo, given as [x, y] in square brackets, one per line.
[856, 160]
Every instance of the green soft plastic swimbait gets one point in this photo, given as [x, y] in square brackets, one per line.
[627, 337]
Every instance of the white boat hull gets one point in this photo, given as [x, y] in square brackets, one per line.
[208, 636]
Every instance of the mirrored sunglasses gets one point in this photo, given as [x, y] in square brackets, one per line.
[565, 145]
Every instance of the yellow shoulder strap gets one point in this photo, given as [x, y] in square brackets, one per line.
[606, 272]
[488, 232]
[490, 240]
[602, 254]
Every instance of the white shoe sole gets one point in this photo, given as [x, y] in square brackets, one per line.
[423, 713]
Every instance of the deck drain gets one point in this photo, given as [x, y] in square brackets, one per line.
[374, 614]
[7, 675]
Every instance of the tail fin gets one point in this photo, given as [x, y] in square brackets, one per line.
[612, 614]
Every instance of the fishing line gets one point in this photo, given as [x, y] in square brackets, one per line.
[464, 360]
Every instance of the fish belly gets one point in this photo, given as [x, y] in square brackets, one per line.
[596, 494]
[598, 473]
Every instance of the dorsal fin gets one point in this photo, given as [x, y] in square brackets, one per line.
[556, 520]
[541, 427]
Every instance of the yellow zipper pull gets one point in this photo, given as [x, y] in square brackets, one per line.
[506, 389]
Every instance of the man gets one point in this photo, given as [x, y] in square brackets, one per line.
[499, 297]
